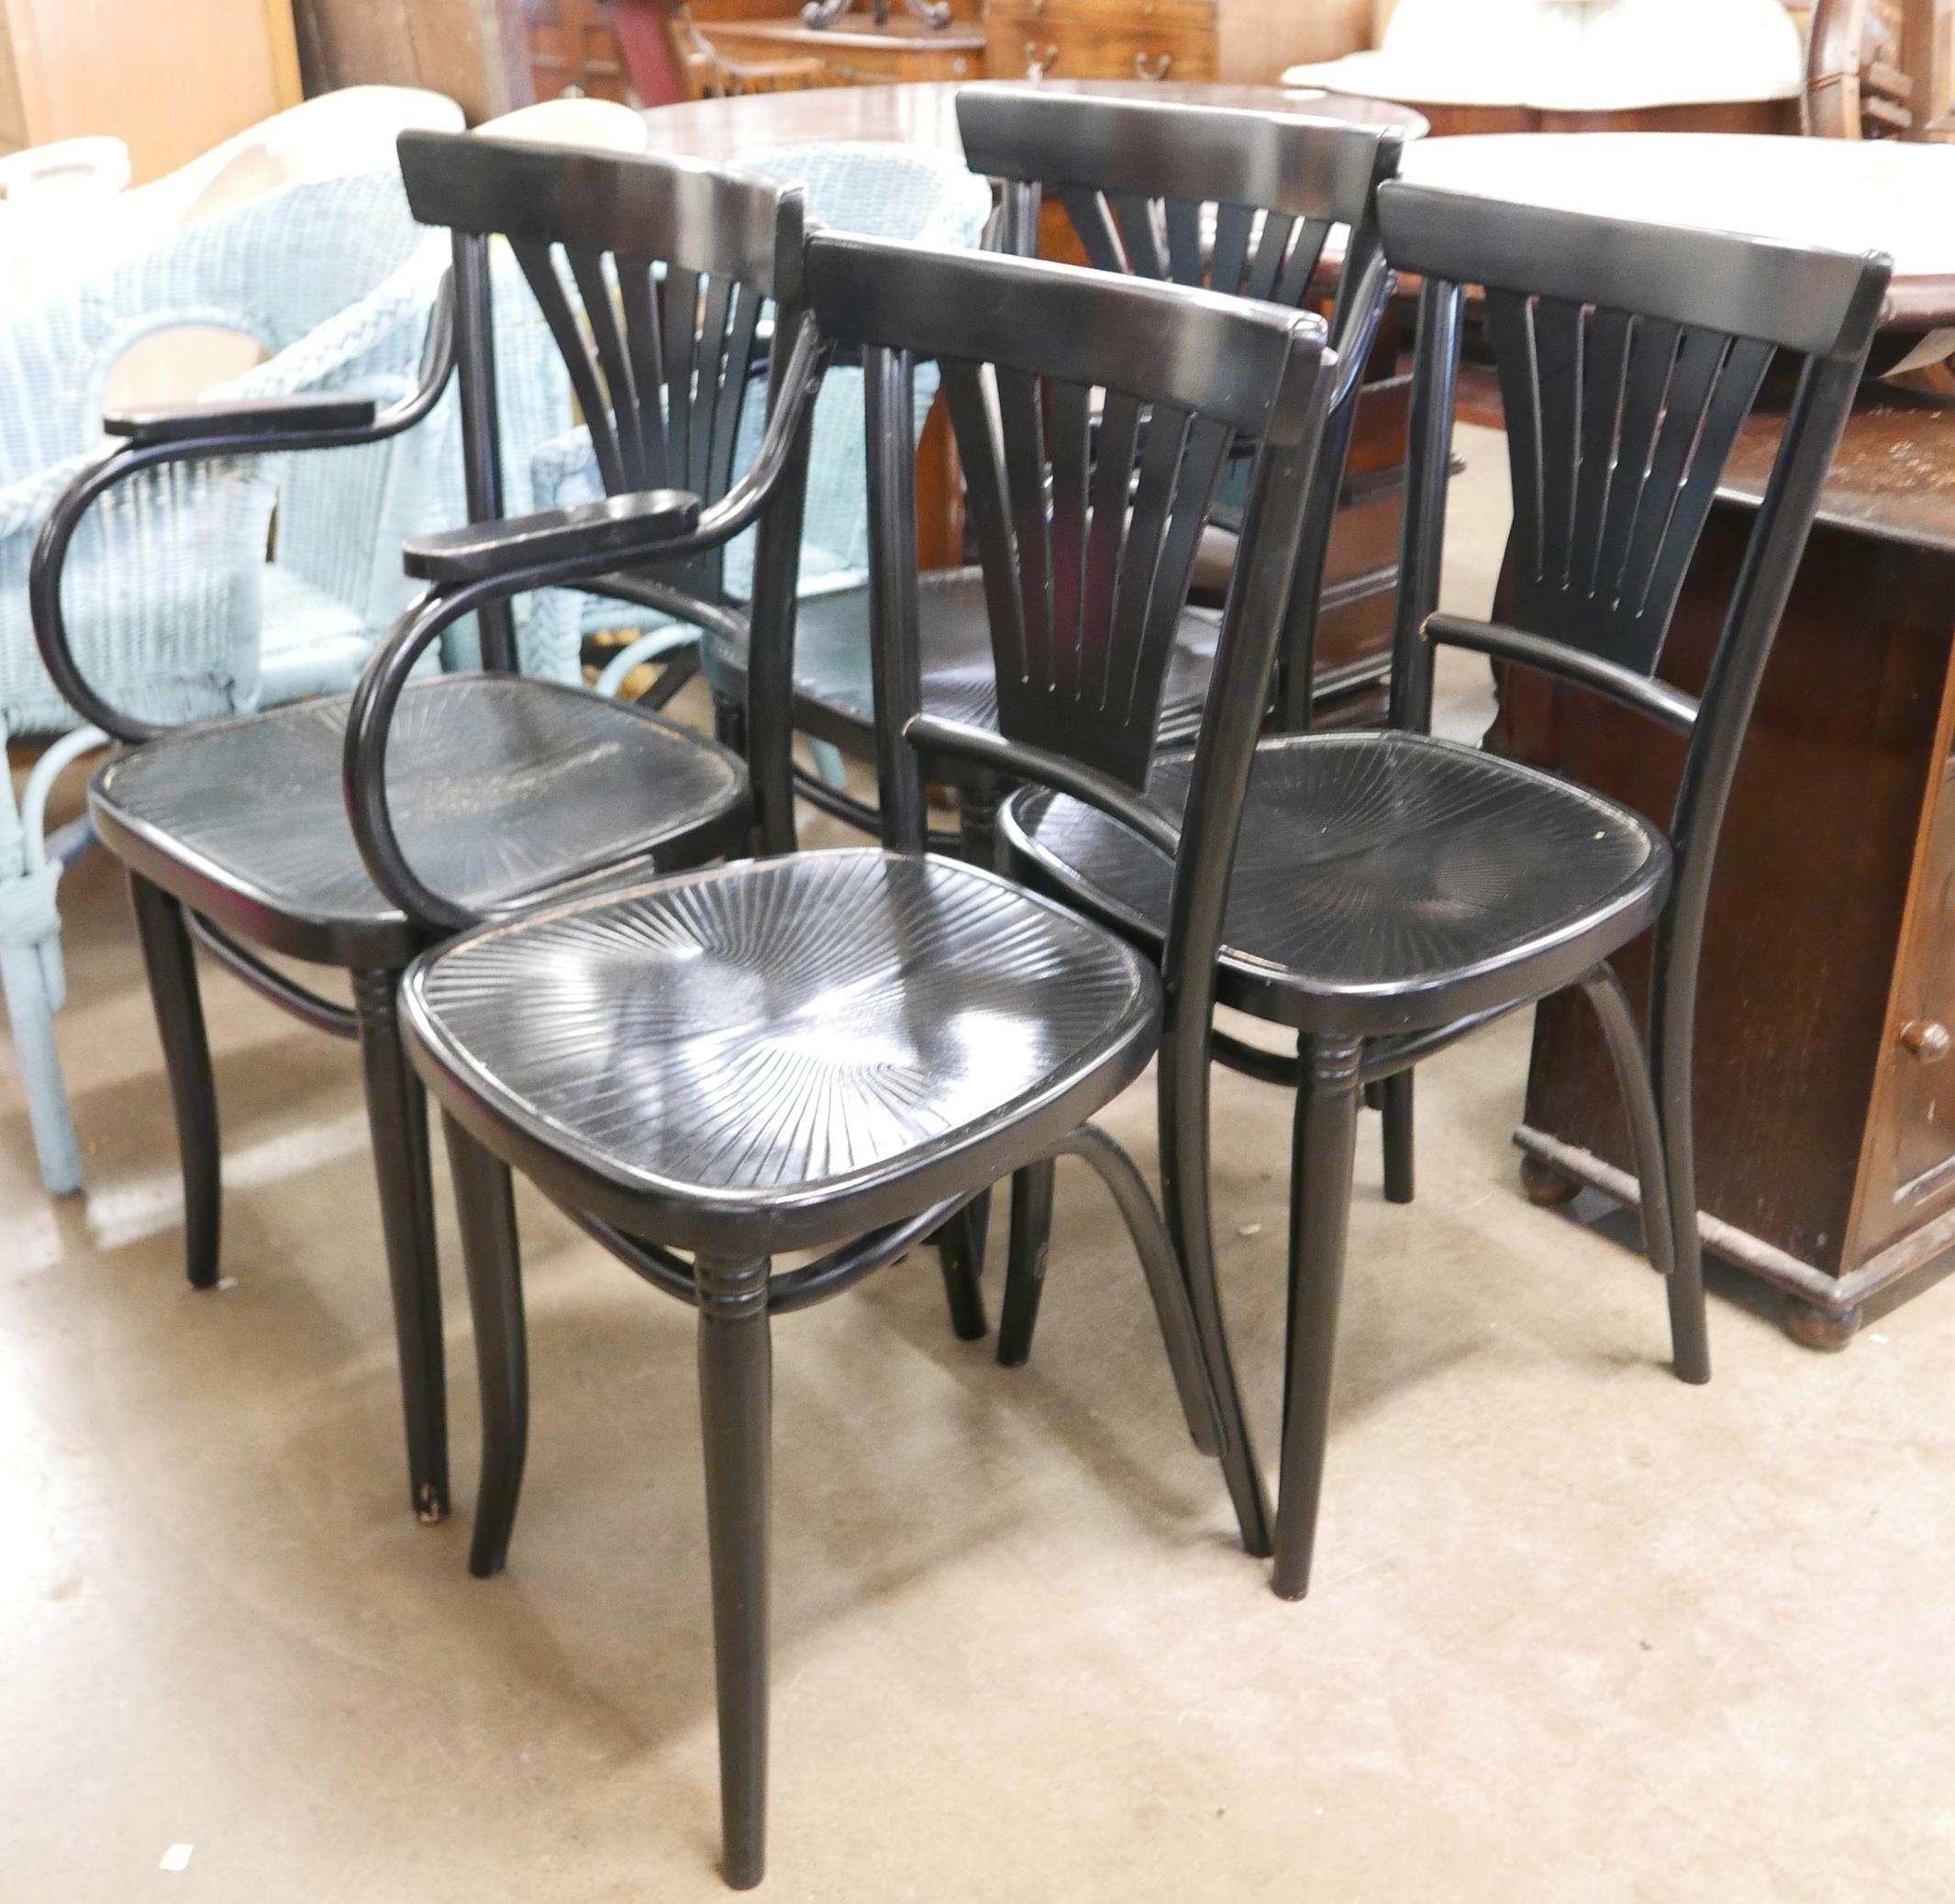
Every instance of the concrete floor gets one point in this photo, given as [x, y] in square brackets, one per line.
[1578, 1631]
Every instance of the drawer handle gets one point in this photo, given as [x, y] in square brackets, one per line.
[1037, 64]
[1925, 1039]
[1159, 70]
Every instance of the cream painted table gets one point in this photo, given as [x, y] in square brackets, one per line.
[1857, 195]
[1583, 65]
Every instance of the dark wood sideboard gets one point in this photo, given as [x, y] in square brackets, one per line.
[1826, 1090]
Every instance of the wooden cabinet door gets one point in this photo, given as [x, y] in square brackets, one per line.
[573, 50]
[1911, 1140]
[94, 66]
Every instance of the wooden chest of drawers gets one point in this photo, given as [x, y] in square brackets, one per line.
[856, 52]
[1244, 41]
[1825, 1100]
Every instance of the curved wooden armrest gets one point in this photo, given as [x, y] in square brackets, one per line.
[273, 417]
[625, 530]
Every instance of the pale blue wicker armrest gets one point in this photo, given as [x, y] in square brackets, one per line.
[159, 594]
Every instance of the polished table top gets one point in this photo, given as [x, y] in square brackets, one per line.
[725, 130]
[1853, 194]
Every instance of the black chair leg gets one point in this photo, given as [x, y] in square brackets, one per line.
[397, 1117]
[1690, 1336]
[1181, 1111]
[1674, 1248]
[491, 1255]
[960, 1252]
[729, 724]
[1172, 1306]
[170, 963]
[1689, 1327]
[1396, 1102]
[1031, 1233]
[1322, 1152]
[736, 1382]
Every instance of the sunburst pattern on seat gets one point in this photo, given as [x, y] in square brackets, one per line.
[1374, 863]
[499, 785]
[780, 1024]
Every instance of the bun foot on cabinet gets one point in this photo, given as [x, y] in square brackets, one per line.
[1541, 1183]
[1829, 1331]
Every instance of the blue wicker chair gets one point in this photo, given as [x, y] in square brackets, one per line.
[178, 613]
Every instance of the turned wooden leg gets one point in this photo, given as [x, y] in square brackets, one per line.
[397, 1118]
[1322, 1149]
[1031, 1234]
[736, 1382]
[170, 965]
[960, 1256]
[492, 1258]
[1396, 1104]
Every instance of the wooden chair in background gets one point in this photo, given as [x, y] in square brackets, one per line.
[1874, 70]
[670, 59]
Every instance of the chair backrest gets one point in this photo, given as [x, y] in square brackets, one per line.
[1231, 200]
[1629, 355]
[1218, 197]
[1084, 544]
[670, 264]
[881, 190]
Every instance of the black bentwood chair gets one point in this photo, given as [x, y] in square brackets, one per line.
[237, 830]
[1248, 204]
[1238, 201]
[1251, 203]
[1393, 892]
[839, 1050]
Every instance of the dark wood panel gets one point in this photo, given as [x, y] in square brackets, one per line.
[1354, 636]
[1910, 1166]
[1364, 537]
[1755, 115]
[473, 50]
[571, 48]
[1812, 882]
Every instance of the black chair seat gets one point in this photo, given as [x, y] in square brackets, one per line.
[834, 695]
[779, 1054]
[1384, 881]
[502, 786]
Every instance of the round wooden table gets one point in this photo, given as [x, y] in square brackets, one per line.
[1853, 194]
[726, 130]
